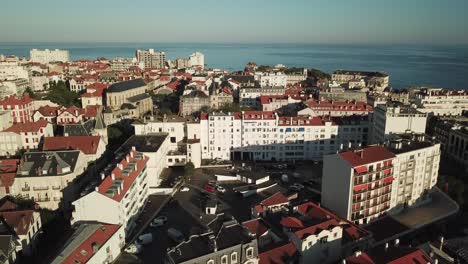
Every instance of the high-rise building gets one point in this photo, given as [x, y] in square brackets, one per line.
[151, 58]
[362, 185]
[197, 59]
[46, 56]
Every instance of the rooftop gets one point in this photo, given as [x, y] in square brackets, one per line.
[143, 143]
[87, 239]
[367, 155]
[87, 144]
[126, 85]
[48, 163]
[390, 255]
[402, 143]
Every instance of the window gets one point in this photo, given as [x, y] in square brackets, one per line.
[234, 257]
[210, 261]
[224, 259]
[249, 252]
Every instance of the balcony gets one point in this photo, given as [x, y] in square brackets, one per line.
[45, 188]
[26, 189]
[373, 171]
[42, 199]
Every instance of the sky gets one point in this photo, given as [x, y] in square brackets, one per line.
[236, 21]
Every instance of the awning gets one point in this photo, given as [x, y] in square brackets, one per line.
[360, 187]
[387, 171]
[388, 179]
[361, 169]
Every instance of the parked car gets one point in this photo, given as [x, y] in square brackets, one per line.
[159, 221]
[134, 248]
[145, 239]
[185, 189]
[209, 188]
[221, 189]
[298, 185]
[296, 175]
[175, 235]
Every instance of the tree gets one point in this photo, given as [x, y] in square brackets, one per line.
[318, 74]
[59, 94]
[189, 169]
[31, 93]
[114, 133]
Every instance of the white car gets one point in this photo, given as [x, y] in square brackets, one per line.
[159, 221]
[221, 189]
[185, 189]
[134, 248]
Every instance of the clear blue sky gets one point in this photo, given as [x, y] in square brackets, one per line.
[265, 21]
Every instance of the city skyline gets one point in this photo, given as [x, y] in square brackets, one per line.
[370, 22]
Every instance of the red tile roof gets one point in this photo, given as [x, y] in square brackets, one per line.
[49, 111]
[278, 255]
[275, 199]
[27, 127]
[8, 168]
[13, 100]
[127, 180]
[339, 106]
[87, 144]
[256, 226]
[392, 255]
[97, 86]
[100, 236]
[367, 155]
[18, 220]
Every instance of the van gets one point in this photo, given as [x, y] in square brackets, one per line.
[175, 235]
[284, 178]
[145, 239]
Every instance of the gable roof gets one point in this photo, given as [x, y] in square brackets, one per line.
[27, 127]
[18, 220]
[126, 85]
[87, 144]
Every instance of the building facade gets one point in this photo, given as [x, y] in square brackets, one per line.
[46, 56]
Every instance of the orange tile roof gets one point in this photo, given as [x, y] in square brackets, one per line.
[87, 144]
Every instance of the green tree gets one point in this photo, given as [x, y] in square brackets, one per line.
[31, 93]
[318, 74]
[60, 94]
[189, 169]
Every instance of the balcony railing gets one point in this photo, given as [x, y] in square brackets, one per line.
[41, 188]
[374, 170]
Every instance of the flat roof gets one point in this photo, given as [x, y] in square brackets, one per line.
[144, 143]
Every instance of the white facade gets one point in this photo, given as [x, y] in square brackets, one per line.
[197, 59]
[123, 194]
[396, 119]
[440, 102]
[46, 56]
[13, 72]
[273, 79]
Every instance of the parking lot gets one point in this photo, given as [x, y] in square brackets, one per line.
[186, 211]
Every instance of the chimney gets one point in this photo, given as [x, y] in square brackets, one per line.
[102, 175]
[96, 188]
[127, 158]
[131, 154]
[120, 166]
[113, 176]
[386, 246]
[397, 242]
[133, 148]
[357, 253]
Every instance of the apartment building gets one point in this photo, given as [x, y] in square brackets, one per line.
[279, 102]
[415, 167]
[363, 184]
[358, 183]
[193, 102]
[124, 64]
[123, 192]
[334, 108]
[92, 242]
[21, 108]
[441, 102]
[46, 56]
[24, 136]
[151, 58]
[13, 71]
[341, 94]
[377, 81]
[396, 118]
[272, 79]
[249, 95]
[263, 135]
[197, 59]
[48, 177]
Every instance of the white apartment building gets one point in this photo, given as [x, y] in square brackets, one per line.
[9, 71]
[358, 184]
[122, 193]
[415, 167]
[395, 118]
[92, 243]
[46, 56]
[197, 59]
[442, 102]
[343, 108]
[272, 79]
[48, 177]
[362, 185]
[250, 95]
[24, 136]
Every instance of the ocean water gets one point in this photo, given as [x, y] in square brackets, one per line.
[408, 65]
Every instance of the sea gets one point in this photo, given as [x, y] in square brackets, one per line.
[408, 65]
